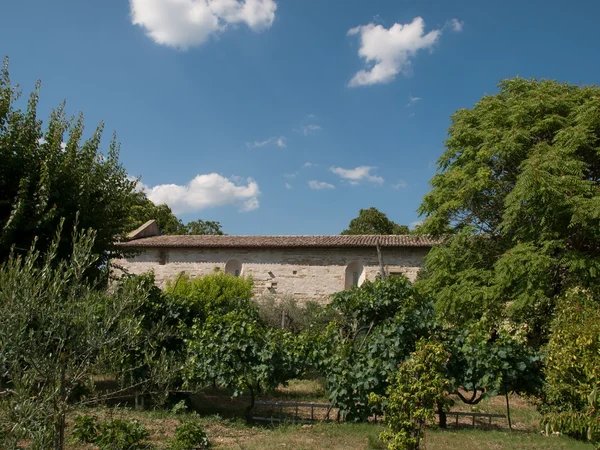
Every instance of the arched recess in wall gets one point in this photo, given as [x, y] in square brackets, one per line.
[355, 275]
[233, 267]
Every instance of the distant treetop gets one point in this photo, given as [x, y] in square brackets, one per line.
[373, 221]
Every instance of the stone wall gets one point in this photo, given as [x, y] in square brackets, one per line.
[305, 273]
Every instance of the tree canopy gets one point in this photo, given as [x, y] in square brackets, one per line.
[46, 175]
[373, 221]
[517, 197]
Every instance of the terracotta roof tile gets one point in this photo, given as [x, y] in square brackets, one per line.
[198, 241]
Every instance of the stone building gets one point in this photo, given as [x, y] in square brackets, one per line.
[306, 267]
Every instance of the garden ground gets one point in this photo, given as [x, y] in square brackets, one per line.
[222, 418]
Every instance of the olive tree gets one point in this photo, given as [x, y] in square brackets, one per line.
[56, 331]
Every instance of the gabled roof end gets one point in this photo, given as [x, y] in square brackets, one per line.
[149, 229]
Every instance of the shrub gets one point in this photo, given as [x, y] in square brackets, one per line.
[208, 294]
[416, 389]
[86, 429]
[111, 434]
[573, 368]
[189, 436]
[122, 435]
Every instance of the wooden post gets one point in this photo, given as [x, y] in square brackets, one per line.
[381, 266]
[283, 320]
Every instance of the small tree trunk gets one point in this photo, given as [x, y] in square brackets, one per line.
[442, 414]
[507, 408]
[59, 410]
[250, 406]
[59, 431]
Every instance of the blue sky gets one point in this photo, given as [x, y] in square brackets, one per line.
[288, 116]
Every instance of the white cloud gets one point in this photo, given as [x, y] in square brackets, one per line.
[456, 25]
[206, 191]
[412, 100]
[318, 185]
[290, 175]
[310, 129]
[355, 176]
[288, 186]
[400, 185]
[388, 52]
[279, 141]
[415, 224]
[309, 164]
[186, 23]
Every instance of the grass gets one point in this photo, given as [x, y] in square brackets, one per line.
[222, 419]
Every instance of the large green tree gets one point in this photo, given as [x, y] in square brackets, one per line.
[373, 221]
[52, 173]
[517, 198]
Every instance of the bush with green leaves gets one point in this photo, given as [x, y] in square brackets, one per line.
[210, 294]
[189, 435]
[85, 429]
[57, 331]
[236, 350]
[378, 326]
[111, 434]
[417, 388]
[572, 388]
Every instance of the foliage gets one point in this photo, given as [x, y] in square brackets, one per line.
[47, 176]
[298, 316]
[416, 389]
[373, 221]
[235, 350]
[484, 365]
[379, 324]
[85, 429]
[573, 367]
[189, 435]
[56, 331]
[517, 196]
[143, 210]
[211, 294]
[157, 360]
[111, 434]
[203, 227]
[123, 435]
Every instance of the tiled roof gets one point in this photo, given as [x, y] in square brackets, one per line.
[199, 241]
